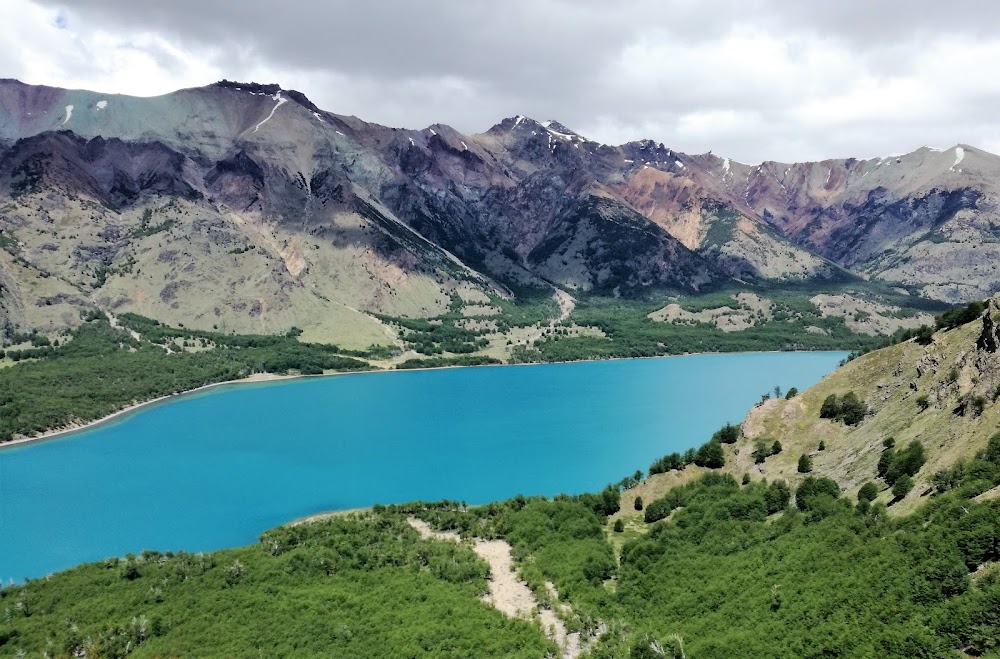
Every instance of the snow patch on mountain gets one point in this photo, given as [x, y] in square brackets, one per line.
[100, 105]
[69, 113]
[280, 101]
[959, 157]
[560, 131]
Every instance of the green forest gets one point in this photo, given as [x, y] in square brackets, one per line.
[98, 370]
[795, 323]
[722, 569]
[629, 332]
[364, 586]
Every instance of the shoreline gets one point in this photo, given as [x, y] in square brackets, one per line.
[264, 378]
[256, 378]
[327, 514]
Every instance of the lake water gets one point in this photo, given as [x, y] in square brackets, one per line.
[216, 468]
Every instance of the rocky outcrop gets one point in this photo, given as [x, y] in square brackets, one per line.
[989, 338]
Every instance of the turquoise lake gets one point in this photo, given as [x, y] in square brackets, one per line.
[214, 469]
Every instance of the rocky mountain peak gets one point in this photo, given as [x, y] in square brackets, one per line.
[526, 126]
[517, 122]
[648, 151]
[554, 126]
[253, 87]
[273, 90]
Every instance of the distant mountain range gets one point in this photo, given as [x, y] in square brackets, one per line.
[245, 207]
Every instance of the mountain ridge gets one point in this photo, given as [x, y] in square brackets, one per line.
[347, 218]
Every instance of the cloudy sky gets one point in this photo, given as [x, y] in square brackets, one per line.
[752, 79]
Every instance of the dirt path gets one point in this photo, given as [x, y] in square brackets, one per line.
[113, 321]
[428, 533]
[508, 594]
[566, 304]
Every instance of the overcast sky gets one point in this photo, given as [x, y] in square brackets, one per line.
[751, 79]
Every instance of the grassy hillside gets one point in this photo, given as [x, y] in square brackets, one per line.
[942, 394]
[937, 390]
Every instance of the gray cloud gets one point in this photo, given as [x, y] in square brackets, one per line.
[754, 79]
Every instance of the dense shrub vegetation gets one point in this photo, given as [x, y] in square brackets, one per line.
[346, 587]
[629, 332]
[432, 337]
[710, 454]
[960, 315]
[440, 362]
[893, 464]
[847, 408]
[820, 580]
[763, 449]
[447, 333]
[972, 477]
[727, 434]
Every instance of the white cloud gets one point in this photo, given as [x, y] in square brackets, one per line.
[42, 46]
[753, 81]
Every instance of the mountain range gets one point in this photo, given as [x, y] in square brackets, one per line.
[245, 207]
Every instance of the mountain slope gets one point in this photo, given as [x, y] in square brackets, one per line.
[193, 260]
[940, 391]
[655, 182]
[942, 395]
[296, 216]
[248, 243]
[926, 219]
[245, 207]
